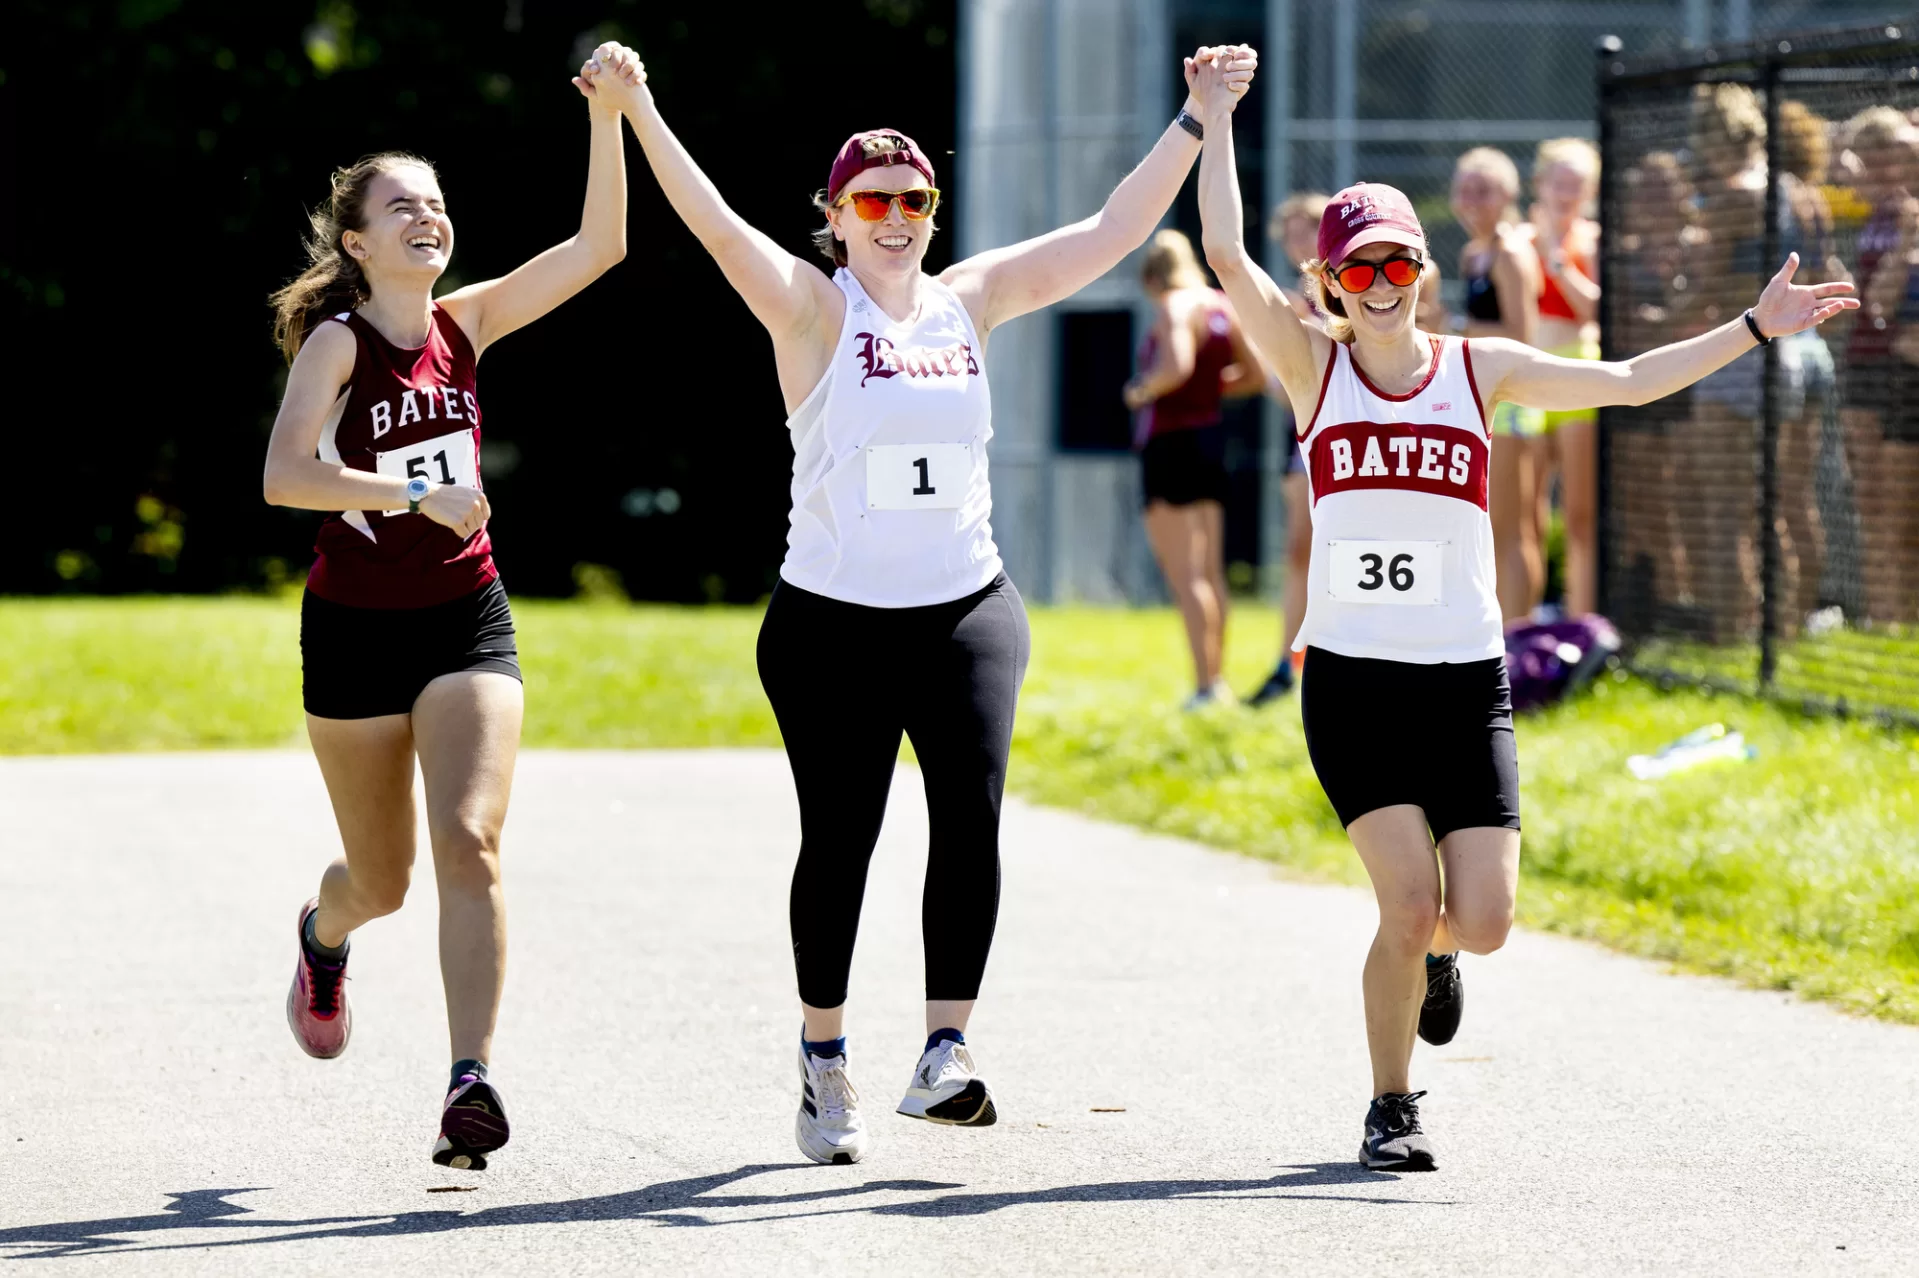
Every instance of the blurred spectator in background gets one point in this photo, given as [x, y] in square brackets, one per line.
[1805, 361]
[1566, 241]
[1660, 261]
[1193, 354]
[1727, 137]
[1503, 283]
[1295, 228]
[1882, 425]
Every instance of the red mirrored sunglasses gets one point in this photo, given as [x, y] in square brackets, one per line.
[916, 203]
[1400, 272]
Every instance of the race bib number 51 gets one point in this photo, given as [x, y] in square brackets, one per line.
[917, 476]
[1385, 572]
[444, 459]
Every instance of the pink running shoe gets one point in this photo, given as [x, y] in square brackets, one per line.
[317, 1007]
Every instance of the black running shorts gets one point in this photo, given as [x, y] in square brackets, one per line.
[1439, 737]
[360, 663]
[1183, 466]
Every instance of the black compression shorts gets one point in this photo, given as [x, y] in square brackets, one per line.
[1438, 736]
[361, 663]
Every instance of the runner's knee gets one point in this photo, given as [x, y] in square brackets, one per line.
[466, 857]
[1407, 926]
[1479, 930]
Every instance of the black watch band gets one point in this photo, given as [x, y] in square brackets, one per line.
[1753, 324]
[1186, 121]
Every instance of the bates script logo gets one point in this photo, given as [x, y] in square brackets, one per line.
[882, 359]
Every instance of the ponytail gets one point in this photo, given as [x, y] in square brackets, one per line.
[332, 281]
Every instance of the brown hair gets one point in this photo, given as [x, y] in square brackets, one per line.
[1727, 118]
[332, 281]
[1804, 150]
[1171, 263]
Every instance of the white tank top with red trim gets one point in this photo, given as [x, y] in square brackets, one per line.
[891, 504]
[1402, 563]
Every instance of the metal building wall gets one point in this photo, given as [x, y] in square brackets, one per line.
[1059, 99]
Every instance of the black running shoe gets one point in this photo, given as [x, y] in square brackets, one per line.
[1445, 1001]
[1277, 685]
[1394, 1140]
[472, 1125]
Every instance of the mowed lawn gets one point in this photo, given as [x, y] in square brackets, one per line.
[1798, 870]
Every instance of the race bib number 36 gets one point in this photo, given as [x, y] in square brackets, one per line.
[917, 476]
[444, 459]
[1385, 572]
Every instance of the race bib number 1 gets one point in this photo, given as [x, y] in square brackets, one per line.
[444, 459]
[917, 476]
[1385, 572]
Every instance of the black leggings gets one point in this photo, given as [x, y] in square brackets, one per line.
[845, 680]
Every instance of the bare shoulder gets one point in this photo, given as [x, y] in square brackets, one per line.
[330, 349]
[1494, 357]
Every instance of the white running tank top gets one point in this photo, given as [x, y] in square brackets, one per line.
[890, 495]
[1402, 564]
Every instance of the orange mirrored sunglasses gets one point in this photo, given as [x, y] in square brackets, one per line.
[916, 203]
[1400, 272]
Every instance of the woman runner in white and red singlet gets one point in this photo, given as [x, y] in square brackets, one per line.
[1406, 706]
[406, 638]
[892, 613]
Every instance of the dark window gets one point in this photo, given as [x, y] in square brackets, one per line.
[1095, 359]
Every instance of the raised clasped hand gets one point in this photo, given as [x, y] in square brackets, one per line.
[1218, 76]
[1786, 307]
[614, 76]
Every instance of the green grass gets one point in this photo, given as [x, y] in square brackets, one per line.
[1798, 870]
[1871, 671]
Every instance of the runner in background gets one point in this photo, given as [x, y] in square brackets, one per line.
[1566, 243]
[1193, 355]
[1295, 228]
[1503, 284]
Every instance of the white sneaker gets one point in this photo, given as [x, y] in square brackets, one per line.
[829, 1128]
[947, 1089]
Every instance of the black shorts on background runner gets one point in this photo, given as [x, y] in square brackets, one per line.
[360, 663]
[1438, 736]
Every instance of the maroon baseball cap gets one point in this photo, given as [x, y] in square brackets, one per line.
[862, 152]
[1367, 213]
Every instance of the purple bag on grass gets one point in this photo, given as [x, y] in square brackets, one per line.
[1545, 661]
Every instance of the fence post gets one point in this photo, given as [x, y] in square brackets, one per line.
[1769, 401]
[1606, 52]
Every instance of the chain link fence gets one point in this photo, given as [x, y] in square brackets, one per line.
[1761, 530]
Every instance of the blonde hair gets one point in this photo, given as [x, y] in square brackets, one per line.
[1577, 154]
[1804, 149]
[1726, 115]
[1491, 162]
[1310, 205]
[1171, 263]
[1876, 128]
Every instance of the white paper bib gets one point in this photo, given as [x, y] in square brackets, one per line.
[1386, 572]
[445, 459]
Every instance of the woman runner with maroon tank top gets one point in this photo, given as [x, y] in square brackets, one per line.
[406, 637]
[892, 614]
[1407, 711]
[1193, 356]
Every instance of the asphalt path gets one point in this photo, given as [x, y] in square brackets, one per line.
[1173, 1034]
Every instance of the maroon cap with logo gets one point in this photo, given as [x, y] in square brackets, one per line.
[866, 151]
[1367, 213]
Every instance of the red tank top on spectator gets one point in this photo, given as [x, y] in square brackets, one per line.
[1196, 401]
[1551, 300]
[403, 402]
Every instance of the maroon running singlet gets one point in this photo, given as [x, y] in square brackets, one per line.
[406, 413]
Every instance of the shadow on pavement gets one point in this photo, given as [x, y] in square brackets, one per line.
[672, 1202]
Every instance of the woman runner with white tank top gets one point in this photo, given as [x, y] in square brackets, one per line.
[1407, 711]
[892, 613]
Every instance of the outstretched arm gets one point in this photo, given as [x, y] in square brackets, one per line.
[1284, 341]
[785, 294]
[489, 310]
[1535, 379]
[1005, 283]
